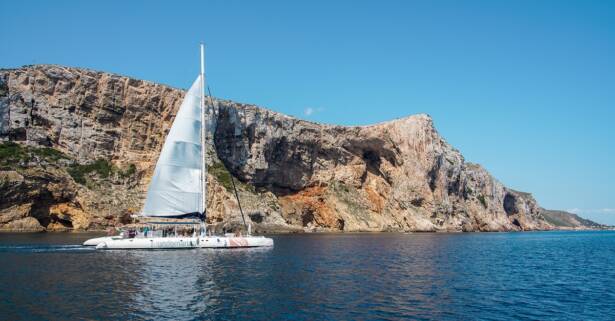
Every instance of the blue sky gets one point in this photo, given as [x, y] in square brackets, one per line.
[525, 88]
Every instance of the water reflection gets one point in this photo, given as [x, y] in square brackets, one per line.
[183, 284]
[171, 283]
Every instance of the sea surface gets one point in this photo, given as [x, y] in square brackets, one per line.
[463, 276]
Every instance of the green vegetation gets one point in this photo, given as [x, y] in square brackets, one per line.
[482, 200]
[48, 154]
[17, 156]
[349, 196]
[557, 221]
[273, 203]
[222, 175]
[565, 219]
[101, 167]
[128, 172]
[12, 155]
[469, 190]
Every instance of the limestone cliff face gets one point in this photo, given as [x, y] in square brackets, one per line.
[292, 174]
[398, 175]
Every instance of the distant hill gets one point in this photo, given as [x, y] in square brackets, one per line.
[565, 219]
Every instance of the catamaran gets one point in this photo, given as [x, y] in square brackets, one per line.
[178, 188]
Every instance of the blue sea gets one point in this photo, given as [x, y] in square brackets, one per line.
[462, 276]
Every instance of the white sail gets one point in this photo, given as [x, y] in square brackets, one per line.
[176, 187]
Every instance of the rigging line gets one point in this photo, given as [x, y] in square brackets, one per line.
[243, 218]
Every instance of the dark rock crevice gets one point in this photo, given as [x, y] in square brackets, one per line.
[510, 204]
[434, 173]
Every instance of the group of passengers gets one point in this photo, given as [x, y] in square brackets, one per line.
[147, 231]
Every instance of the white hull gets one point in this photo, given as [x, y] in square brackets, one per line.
[98, 240]
[185, 242]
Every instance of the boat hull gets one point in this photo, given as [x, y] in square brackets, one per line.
[185, 242]
[98, 240]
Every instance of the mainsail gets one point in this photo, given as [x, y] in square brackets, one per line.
[176, 188]
[179, 184]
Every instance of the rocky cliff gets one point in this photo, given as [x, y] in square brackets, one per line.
[80, 147]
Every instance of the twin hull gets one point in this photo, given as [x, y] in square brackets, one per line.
[185, 242]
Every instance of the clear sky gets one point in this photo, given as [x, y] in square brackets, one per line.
[525, 88]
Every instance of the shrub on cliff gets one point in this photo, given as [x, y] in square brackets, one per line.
[14, 156]
[100, 167]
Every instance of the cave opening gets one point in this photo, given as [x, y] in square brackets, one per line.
[516, 223]
[510, 204]
[307, 217]
[64, 222]
[340, 224]
[434, 173]
[372, 165]
[256, 217]
[372, 160]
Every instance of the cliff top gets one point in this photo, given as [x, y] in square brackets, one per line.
[48, 69]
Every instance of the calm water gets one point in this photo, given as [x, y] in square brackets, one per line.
[541, 275]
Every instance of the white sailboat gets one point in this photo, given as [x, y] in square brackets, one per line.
[179, 187]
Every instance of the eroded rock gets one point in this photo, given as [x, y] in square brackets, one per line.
[292, 174]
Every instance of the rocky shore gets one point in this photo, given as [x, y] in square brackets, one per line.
[78, 148]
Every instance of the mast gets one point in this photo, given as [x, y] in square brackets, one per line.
[203, 133]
